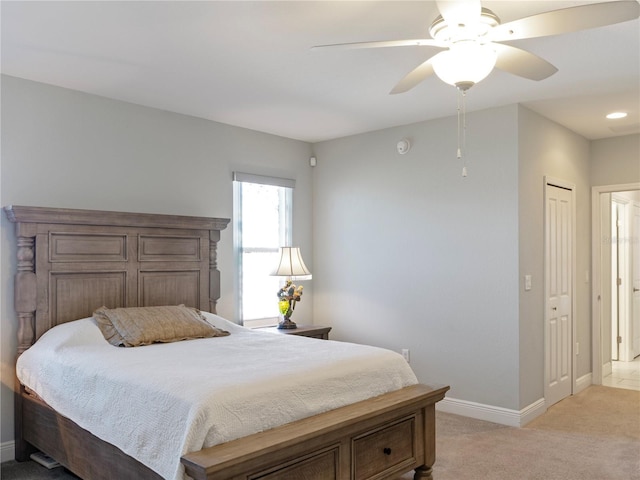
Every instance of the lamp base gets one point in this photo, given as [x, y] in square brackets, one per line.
[286, 323]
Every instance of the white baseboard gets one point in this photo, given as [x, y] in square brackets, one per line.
[532, 411]
[7, 451]
[490, 413]
[504, 416]
[583, 382]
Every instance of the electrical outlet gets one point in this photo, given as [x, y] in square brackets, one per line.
[405, 354]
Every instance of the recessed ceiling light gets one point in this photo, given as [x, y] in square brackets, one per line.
[614, 115]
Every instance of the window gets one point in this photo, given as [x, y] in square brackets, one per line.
[262, 224]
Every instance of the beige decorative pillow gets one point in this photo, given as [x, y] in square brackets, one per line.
[135, 326]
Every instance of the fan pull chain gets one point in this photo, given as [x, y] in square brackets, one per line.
[459, 155]
[464, 132]
[462, 129]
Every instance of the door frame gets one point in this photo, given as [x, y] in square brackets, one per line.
[634, 274]
[624, 327]
[596, 276]
[556, 182]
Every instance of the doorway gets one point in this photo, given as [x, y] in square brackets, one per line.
[616, 284]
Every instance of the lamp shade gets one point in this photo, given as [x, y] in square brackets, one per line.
[290, 264]
[465, 63]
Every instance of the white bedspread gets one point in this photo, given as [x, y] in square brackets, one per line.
[160, 401]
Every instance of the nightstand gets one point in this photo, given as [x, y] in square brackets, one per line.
[311, 331]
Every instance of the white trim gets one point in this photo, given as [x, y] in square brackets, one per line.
[625, 353]
[490, 413]
[7, 451]
[532, 412]
[596, 277]
[260, 322]
[583, 382]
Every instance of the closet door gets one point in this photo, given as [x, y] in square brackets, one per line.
[559, 293]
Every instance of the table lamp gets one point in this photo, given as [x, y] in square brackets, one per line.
[291, 266]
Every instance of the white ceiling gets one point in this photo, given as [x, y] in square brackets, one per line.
[249, 63]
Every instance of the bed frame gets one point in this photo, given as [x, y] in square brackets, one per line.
[71, 262]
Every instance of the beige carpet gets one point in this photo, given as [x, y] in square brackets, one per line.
[592, 435]
[595, 411]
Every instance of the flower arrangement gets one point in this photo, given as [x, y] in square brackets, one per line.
[288, 295]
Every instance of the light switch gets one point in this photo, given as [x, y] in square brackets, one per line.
[527, 282]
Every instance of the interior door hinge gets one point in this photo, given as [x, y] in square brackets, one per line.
[619, 339]
[619, 282]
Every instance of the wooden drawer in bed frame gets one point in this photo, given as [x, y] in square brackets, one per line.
[374, 439]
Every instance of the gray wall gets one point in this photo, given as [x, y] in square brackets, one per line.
[548, 149]
[409, 254]
[62, 148]
[615, 161]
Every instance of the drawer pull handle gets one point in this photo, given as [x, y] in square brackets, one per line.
[387, 451]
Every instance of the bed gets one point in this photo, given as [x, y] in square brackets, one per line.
[71, 262]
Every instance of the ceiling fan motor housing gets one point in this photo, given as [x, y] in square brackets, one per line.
[441, 31]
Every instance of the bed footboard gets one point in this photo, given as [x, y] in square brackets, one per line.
[377, 438]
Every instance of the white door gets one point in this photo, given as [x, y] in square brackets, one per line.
[558, 290]
[635, 279]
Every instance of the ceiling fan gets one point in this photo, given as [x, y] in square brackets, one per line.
[470, 39]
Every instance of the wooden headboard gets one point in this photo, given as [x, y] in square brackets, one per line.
[71, 262]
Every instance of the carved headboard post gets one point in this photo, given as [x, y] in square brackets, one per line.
[214, 273]
[25, 285]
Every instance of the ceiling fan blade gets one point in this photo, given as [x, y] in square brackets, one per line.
[414, 77]
[418, 42]
[522, 63]
[566, 20]
[459, 12]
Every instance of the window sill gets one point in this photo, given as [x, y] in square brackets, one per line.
[261, 322]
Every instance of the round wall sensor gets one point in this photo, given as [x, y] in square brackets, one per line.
[403, 146]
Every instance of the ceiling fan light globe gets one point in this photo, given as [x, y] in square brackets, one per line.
[464, 64]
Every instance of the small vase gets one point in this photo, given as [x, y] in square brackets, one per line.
[286, 323]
